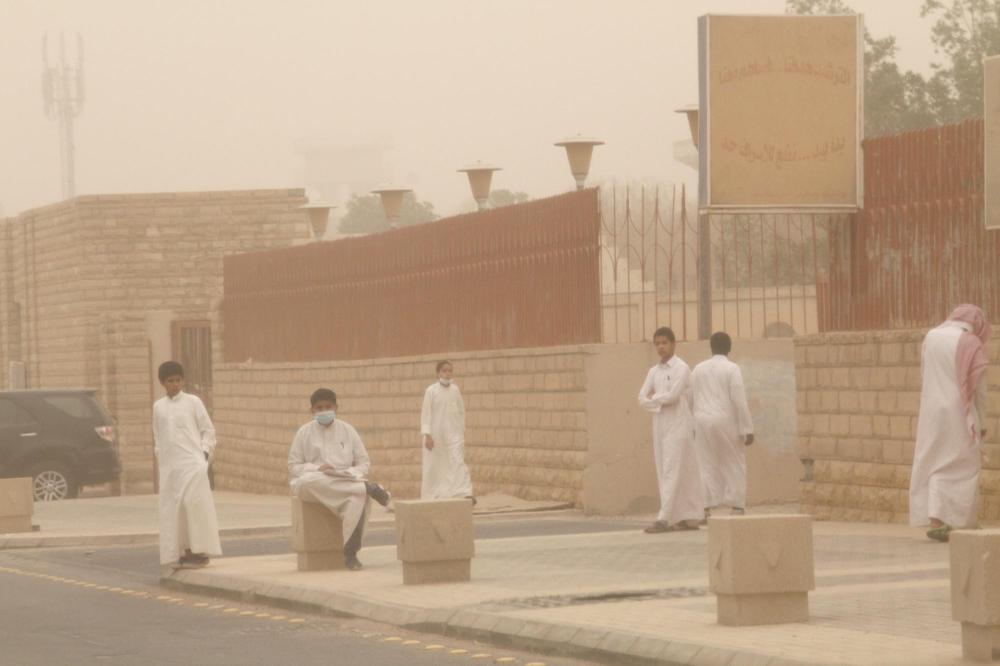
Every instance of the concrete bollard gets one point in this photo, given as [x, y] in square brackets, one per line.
[434, 540]
[317, 536]
[761, 568]
[17, 505]
[975, 591]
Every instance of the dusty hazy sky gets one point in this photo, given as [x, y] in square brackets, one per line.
[215, 94]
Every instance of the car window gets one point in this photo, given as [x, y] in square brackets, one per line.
[77, 406]
[12, 414]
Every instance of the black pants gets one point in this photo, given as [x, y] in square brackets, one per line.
[353, 544]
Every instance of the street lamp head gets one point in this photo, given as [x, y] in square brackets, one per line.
[480, 179]
[691, 111]
[579, 150]
[319, 215]
[392, 202]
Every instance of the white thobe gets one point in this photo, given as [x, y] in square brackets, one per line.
[722, 422]
[339, 446]
[445, 474]
[944, 482]
[182, 435]
[681, 494]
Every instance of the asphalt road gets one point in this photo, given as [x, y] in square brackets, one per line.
[104, 606]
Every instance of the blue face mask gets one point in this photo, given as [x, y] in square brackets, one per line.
[326, 418]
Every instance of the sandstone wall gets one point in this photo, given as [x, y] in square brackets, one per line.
[858, 395]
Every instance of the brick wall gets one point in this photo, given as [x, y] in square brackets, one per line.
[85, 274]
[858, 395]
[525, 423]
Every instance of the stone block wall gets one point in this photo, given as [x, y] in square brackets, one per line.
[526, 429]
[858, 396]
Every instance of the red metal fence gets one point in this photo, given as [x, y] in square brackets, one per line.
[518, 276]
[919, 247]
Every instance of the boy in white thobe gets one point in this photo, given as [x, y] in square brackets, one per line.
[666, 393]
[442, 424]
[944, 482]
[329, 464]
[184, 444]
[723, 428]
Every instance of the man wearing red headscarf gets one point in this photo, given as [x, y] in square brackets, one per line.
[944, 484]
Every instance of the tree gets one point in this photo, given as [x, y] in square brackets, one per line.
[500, 198]
[965, 31]
[365, 215]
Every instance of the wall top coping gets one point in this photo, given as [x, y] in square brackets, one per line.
[166, 198]
[527, 352]
[861, 337]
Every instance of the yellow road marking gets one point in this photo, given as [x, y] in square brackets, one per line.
[296, 620]
[262, 615]
[216, 606]
[411, 642]
[246, 612]
[459, 651]
[535, 663]
[391, 639]
[434, 647]
[231, 610]
[280, 617]
[200, 604]
[481, 655]
[506, 660]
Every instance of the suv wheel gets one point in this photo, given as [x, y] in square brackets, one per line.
[53, 480]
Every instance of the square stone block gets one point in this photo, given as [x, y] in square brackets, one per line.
[13, 524]
[760, 554]
[434, 530]
[975, 576]
[980, 643]
[317, 536]
[739, 610]
[16, 498]
[442, 571]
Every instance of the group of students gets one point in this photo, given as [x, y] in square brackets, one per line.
[701, 428]
[327, 463]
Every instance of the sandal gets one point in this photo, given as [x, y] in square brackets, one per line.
[939, 533]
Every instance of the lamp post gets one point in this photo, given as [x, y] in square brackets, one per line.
[579, 150]
[392, 202]
[704, 243]
[480, 179]
[319, 215]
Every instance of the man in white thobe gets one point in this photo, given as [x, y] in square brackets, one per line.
[184, 444]
[329, 464]
[944, 482]
[723, 428]
[442, 425]
[666, 393]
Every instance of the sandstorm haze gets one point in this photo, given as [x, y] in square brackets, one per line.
[188, 95]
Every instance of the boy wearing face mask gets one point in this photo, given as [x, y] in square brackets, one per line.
[442, 426]
[328, 464]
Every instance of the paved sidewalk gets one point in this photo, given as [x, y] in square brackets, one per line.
[134, 519]
[882, 597]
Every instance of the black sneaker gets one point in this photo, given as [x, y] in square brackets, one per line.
[353, 563]
[378, 493]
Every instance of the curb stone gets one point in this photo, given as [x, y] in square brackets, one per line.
[609, 647]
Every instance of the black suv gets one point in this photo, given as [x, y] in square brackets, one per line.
[63, 439]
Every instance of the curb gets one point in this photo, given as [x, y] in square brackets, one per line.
[562, 640]
[39, 540]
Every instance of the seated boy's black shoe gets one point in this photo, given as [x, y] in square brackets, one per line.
[473, 498]
[378, 493]
[353, 563]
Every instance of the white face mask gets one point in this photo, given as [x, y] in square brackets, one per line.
[326, 418]
[444, 381]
